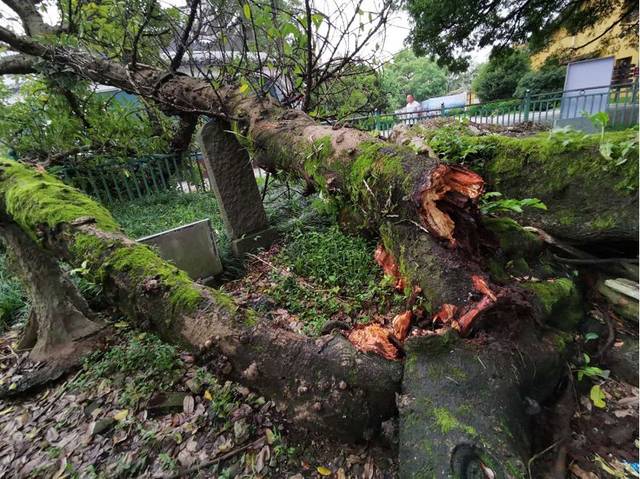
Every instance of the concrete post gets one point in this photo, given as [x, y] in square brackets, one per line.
[234, 185]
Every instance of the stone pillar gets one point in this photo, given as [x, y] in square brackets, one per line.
[234, 185]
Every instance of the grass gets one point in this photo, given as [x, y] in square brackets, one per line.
[333, 259]
[120, 367]
[334, 276]
[163, 211]
[13, 301]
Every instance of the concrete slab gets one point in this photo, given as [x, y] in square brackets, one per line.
[255, 241]
[190, 247]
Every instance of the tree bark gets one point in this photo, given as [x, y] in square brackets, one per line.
[589, 198]
[59, 317]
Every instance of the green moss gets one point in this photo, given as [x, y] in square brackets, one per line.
[250, 318]
[497, 272]
[447, 422]
[141, 263]
[561, 340]
[559, 301]
[34, 199]
[514, 240]
[519, 267]
[315, 160]
[375, 161]
[604, 222]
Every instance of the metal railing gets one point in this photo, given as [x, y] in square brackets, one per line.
[134, 178]
[557, 108]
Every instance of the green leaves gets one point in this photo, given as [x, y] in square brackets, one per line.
[597, 397]
[246, 9]
[592, 372]
[488, 205]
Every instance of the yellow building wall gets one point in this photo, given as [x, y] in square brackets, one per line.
[609, 45]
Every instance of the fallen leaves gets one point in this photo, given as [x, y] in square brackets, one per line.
[323, 471]
[121, 415]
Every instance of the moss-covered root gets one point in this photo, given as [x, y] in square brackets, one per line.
[557, 302]
[462, 406]
[514, 240]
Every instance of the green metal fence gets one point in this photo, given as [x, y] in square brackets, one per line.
[133, 178]
[551, 109]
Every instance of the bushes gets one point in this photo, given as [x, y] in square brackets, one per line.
[549, 78]
[500, 76]
[13, 302]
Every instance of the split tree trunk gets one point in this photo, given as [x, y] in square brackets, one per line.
[589, 198]
[325, 382]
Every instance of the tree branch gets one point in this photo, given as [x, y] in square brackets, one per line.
[17, 65]
[31, 19]
[184, 39]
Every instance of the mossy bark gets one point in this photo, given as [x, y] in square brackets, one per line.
[324, 383]
[590, 197]
[463, 405]
[60, 318]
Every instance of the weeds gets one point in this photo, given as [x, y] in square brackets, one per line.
[331, 275]
[120, 367]
[13, 301]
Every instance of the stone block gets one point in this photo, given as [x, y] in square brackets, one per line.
[250, 243]
[191, 248]
[234, 185]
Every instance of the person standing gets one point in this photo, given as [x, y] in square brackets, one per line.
[412, 108]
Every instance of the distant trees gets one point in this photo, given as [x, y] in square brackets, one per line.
[450, 31]
[549, 77]
[410, 74]
[358, 90]
[499, 77]
[509, 74]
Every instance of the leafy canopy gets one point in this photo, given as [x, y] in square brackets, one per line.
[450, 30]
[43, 124]
[499, 77]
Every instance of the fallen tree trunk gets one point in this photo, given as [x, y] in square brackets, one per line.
[388, 184]
[425, 211]
[590, 196]
[323, 382]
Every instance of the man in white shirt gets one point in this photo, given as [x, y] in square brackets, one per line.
[413, 106]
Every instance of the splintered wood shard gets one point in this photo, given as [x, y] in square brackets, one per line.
[465, 321]
[401, 324]
[388, 264]
[373, 338]
[455, 185]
